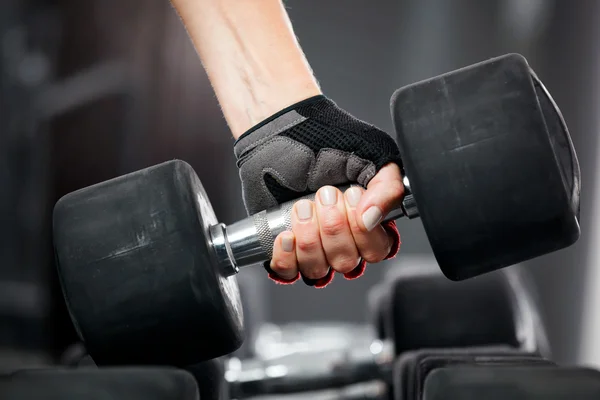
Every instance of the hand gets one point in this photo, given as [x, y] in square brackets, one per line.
[339, 230]
[308, 148]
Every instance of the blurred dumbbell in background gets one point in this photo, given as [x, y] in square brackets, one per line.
[349, 361]
[99, 384]
[436, 327]
[430, 320]
[489, 324]
[492, 316]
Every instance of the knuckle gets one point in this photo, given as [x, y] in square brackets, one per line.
[345, 264]
[308, 243]
[373, 256]
[316, 271]
[333, 225]
[281, 266]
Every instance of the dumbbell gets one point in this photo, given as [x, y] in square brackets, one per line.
[209, 375]
[99, 384]
[359, 391]
[297, 358]
[147, 271]
[423, 313]
[416, 307]
[423, 310]
[515, 382]
[490, 317]
[376, 308]
[412, 368]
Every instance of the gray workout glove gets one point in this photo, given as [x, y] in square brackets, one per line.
[306, 146]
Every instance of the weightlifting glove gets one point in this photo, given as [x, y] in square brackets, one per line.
[304, 147]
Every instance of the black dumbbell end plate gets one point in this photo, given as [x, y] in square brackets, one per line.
[210, 376]
[428, 360]
[430, 311]
[138, 272]
[514, 383]
[485, 174]
[376, 302]
[99, 384]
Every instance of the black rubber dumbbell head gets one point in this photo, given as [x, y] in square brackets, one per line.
[99, 384]
[514, 383]
[376, 303]
[210, 376]
[412, 368]
[491, 166]
[426, 310]
[138, 272]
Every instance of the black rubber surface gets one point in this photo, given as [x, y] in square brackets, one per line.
[412, 368]
[483, 168]
[138, 274]
[376, 309]
[95, 384]
[210, 376]
[561, 143]
[429, 311]
[514, 383]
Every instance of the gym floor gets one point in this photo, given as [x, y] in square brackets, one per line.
[131, 92]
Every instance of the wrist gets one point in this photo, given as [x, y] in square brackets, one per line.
[267, 85]
[267, 99]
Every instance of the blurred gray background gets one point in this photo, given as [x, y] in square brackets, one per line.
[91, 90]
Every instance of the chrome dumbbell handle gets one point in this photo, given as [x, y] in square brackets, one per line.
[250, 241]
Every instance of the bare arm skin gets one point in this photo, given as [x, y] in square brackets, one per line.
[251, 56]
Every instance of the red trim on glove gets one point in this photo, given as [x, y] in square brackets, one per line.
[392, 230]
[356, 272]
[279, 280]
[326, 280]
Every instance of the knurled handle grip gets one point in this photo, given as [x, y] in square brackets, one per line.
[272, 222]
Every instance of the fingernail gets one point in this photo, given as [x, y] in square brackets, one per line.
[353, 195]
[372, 217]
[304, 210]
[328, 196]
[287, 243]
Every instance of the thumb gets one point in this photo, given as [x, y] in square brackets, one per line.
[384, 193]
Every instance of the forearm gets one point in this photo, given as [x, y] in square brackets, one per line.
[251, 56]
